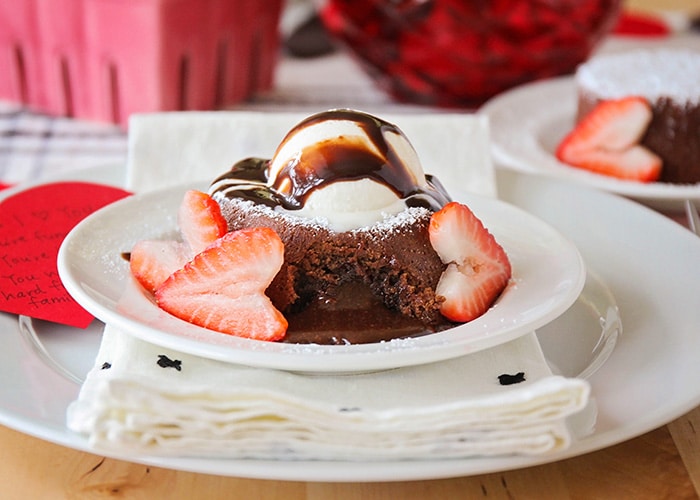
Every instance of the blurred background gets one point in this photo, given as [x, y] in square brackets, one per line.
[73, 71]
[103, 60]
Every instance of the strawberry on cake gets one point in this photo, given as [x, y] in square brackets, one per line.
[338, 238]
[638, 116]
[606, 141]
[210, 273]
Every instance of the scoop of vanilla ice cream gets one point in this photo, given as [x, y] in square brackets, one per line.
[333, 129]
[345, 204]
[348, 205]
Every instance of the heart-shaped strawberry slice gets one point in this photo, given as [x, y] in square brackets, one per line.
[606, 141]
[478, 268]
[223, 287]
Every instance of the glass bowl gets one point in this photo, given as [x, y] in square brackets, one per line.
[460, 53]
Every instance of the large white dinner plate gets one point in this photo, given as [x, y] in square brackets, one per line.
[548, 275]
[646, 261]
[529, 121]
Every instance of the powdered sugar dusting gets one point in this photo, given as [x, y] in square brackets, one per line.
[389, 223]
[652, 74]
[231, 206]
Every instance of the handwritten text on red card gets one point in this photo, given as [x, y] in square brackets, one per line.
[33, 223]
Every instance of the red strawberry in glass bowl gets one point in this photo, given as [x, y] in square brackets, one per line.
[460, 53]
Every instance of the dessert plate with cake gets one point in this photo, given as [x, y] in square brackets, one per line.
[536, 127]
[336, 254]
[548, 275]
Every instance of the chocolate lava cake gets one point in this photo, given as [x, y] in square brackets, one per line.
[363, 284]
[669, 80]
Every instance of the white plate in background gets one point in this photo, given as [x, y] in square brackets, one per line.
[529, 121]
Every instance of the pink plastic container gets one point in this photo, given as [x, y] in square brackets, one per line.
[106, 59]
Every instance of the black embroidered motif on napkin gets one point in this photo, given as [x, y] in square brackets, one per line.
[507, 379]
[106, 366]
[166, 362]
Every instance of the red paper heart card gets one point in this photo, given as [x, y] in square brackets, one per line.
[33, 224]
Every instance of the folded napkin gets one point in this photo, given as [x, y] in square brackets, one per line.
[144, 398]
[167, 149]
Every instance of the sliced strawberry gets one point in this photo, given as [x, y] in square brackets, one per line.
[636, 163]
[223, 287]
[478, 268]
[606, 141]
[612, 125]
[151, 262]
[200, 221]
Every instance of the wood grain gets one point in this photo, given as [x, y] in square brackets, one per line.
[649, 467]
[684, 431]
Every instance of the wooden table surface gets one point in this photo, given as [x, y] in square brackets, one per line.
[663, 463]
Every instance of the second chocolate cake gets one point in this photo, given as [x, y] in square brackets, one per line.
[668, 80]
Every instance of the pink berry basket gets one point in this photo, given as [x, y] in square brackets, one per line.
[106, 59]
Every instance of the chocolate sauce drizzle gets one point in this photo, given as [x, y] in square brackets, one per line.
[341, 159]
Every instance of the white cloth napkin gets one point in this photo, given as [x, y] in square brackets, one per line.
[195, 406]
[167, 149]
